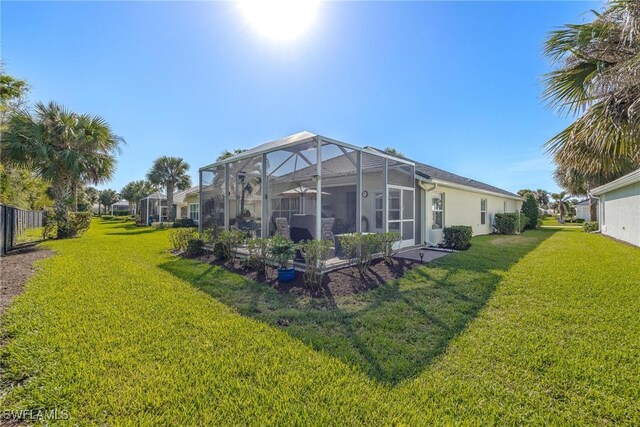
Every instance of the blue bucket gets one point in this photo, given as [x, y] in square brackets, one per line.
[286, 274]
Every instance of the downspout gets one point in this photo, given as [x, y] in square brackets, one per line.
[599, 212]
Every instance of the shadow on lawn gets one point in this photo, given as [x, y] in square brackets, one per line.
[131, 229]
[391, 332]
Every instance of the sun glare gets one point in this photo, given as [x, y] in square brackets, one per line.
[280, 19]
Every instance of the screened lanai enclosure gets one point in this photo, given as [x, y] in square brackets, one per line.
[307, 186]
[153, 208]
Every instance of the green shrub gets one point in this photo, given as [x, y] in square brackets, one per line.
[282, 251]
[195, 247]
[458, 237]
[258, 254]
[210, 235]
[180, 238]
[76, 225]
[162, 225]
[387, 240]
[349, 247]
[361, 247]
[49, 225]
[120, 213]
[507, 223]
[590, 227]
[530, 210]
[227, 244]
[184, 223]
[315, 254]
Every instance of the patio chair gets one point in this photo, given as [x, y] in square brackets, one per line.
[282, 227]
[326, 233]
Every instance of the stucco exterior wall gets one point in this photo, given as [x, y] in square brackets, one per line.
[462, 207]
[583, 212]
[620, 213]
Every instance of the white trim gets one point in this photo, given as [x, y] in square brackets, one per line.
[628, 179]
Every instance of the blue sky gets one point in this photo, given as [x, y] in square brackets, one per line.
[452, 84]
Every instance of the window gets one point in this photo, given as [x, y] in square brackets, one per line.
[504, 206]
[378, 209]
[285, 207]
[194, 211]
[437, 210]
[483, 211]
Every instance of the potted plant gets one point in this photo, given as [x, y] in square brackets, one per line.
[281, 251]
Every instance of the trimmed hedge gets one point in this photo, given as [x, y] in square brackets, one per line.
[507, 223]
[184, 223]
[458, 237]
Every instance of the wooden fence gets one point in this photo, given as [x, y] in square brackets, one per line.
[13, 222]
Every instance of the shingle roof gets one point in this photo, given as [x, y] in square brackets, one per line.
[432, 172]
[180, 195]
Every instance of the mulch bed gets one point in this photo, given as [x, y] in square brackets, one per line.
[340, 282]
[16, 268]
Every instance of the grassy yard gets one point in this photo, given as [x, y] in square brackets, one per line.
[30, 235]
[541, 328]
[554, 222]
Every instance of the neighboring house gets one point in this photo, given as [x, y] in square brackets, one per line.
[619, 208]
[187, 203]
[153, 208]
[122, 205]
[583, 210]
[317, 187]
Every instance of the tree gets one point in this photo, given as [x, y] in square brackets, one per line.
[108, 197]
[530, 209]
[171, 173]
[19, 186]
[393, 152]
[62, 147]
[560, 203]
[135, 191]
[92, 196]
[227, 154]
[524, 192]
[596, 81]
[542, 197]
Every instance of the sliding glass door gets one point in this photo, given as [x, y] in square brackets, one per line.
[401, 214]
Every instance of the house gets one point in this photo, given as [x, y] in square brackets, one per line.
[619, 208]
[123, 205]
[583, 210]
[187, 203]
[153, 208]
[307, 186]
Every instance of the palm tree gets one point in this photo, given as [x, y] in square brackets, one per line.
[542, 197]
[92, 196]
[108, 197]
[560, 200]
[64, 148]
[597, 81]
[171, 173]
[94, 134]
[135, 191]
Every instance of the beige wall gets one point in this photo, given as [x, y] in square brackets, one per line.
[620, 213]
[462, 207]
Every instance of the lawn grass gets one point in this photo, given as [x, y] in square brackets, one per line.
[108, 330]
[552, 221]
[30, 235]
[390, 333]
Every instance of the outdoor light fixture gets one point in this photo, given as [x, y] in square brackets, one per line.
[315, 178]
[421, 257]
